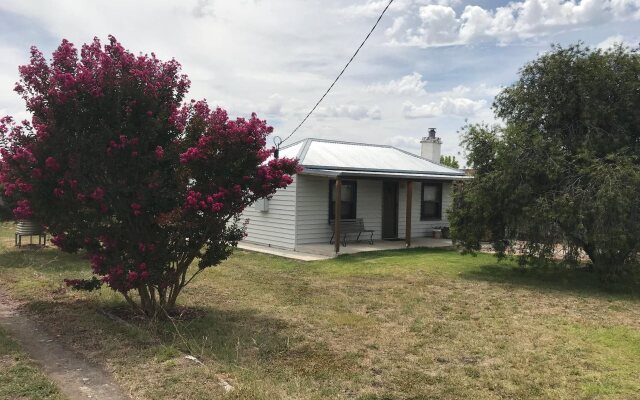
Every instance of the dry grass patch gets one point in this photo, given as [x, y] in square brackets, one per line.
[389, 325]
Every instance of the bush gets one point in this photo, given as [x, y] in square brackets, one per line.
[113, 163]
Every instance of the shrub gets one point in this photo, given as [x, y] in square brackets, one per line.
[115, 164]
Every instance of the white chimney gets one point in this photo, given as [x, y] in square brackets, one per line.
[431, 146]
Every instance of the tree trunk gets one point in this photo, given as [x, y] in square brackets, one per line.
[610, 266]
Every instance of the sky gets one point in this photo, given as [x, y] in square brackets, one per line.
[430, 63]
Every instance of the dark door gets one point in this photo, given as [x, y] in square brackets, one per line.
[389, 210]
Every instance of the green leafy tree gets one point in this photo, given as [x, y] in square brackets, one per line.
[449, 161]
[561, 177]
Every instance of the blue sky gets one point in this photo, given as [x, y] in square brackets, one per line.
[430, 63]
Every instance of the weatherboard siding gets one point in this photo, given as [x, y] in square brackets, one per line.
[299, 214]
[312, 208]
[421, 228]
[277, 226]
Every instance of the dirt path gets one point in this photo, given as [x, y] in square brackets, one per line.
[75, 377]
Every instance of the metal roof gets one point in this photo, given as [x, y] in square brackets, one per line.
[332, 173]
[336, 158]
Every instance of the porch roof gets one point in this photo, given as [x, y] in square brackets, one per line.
[332, 158]
[372, 174]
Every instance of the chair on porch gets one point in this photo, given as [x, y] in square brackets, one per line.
[350, 226]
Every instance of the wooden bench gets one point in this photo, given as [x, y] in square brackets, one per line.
[350, 226]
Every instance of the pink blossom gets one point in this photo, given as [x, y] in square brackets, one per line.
[193, 198]
[159, 153]
[52, 164]
[98, 194]
[23, 210]
[192, 153]
[23, 186]
[135, 207]
[97, 261]
[59, 240]
[9, 188]
[36, 173]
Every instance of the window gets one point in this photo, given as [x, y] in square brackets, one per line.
[431, 204]
[348, 203]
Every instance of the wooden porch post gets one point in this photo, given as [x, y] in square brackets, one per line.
[336, 215]
[407, 235]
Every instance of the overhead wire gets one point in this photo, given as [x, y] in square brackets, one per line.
[337, 78]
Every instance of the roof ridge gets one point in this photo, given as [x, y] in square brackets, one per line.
[294, 143]
[323, 140]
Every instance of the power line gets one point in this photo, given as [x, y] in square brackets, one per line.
[340, 74]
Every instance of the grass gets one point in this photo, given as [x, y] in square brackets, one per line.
[410, 324]
[19, 377]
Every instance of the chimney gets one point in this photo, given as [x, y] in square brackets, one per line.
[431, 146]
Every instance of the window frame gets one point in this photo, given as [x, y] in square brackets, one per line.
[438, 215]
[332, 186]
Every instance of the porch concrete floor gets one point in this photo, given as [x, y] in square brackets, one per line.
[323, 251]
[296, 255]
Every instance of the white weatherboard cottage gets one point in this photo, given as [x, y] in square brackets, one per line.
[375, 183]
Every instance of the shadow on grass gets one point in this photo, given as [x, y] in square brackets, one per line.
[371, 255]
[46, 259]
[230, 336]
[579, 281]
[226, 334]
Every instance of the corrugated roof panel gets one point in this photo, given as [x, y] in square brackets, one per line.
[291, 151]
[367, 157]
[335, 155]
[332, 173]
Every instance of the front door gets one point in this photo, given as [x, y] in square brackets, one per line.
[389, 210]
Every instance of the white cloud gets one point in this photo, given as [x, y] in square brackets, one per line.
[274, 105]
[396, 26]
[410, 143]
[278, 57]
[440, 25]
[610, 41]
[203, 8]
[408, 84]
[414, 85]
[351, 111]
[480, 90]
[460, 106]
[373, 8]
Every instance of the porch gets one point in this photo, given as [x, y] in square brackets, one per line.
[324, 251]
[328, 250]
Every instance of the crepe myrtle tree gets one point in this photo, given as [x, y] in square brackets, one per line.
[115, 165]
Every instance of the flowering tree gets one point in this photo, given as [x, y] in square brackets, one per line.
[114, 164]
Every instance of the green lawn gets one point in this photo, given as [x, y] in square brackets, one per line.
[407, 324]
[19, 377]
